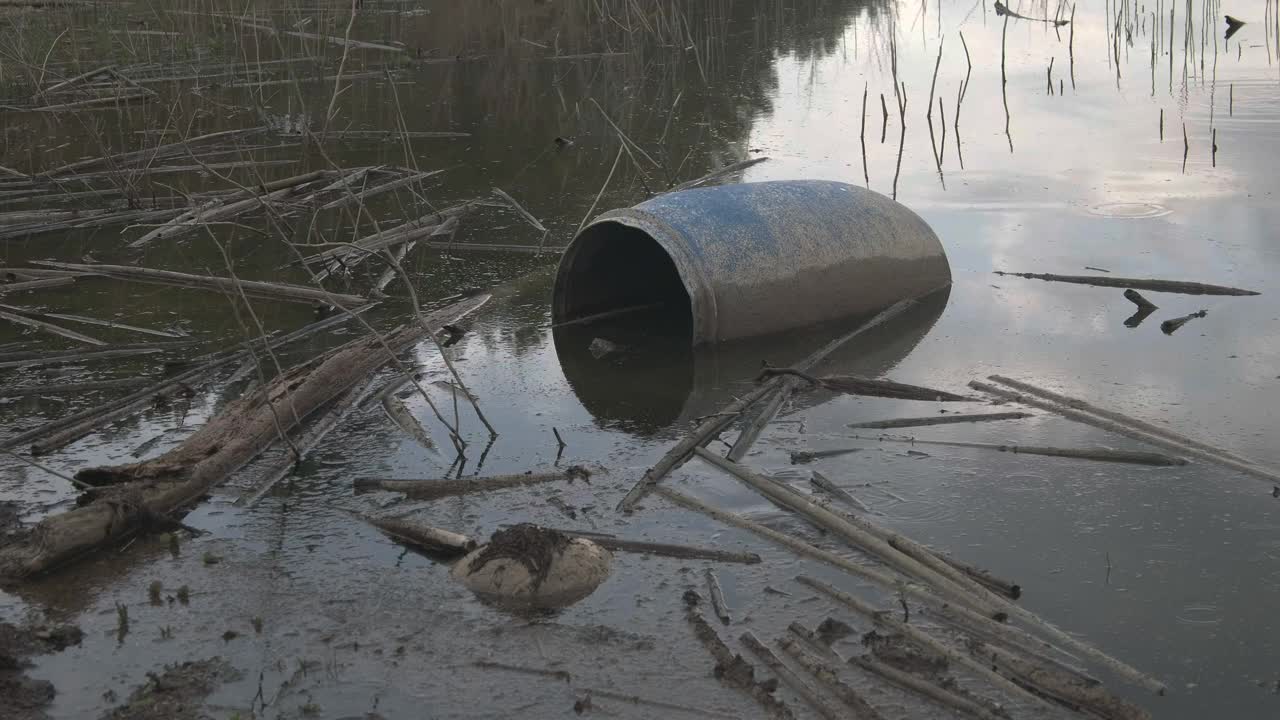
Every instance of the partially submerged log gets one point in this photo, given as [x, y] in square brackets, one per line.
[35, 284]
[718, 604]
[732, 669]
[34, 320]
[794, 681]
[1168, 327]
[1099, 454]
[684, 552]
[821, 482]
[29, 358]
[282, 291]
[70, 388]
[940, 420]
[1169, 286]
[1092, 699]
[415, 534]
[870, 387]
[827, 676]
[436, 489]
[180, 477]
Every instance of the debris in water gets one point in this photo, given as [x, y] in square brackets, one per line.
[916, 422]
[601, 348]
[1169, 286]
[1145, 308]
[1168, 327]
[1233, 26]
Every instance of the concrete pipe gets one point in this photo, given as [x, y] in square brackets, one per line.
[752, 259]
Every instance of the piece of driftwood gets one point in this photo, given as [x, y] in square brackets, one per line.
[66, 357]
[648, 702]
[792, 680]
[925, 641]
[1168, 327]
[856, 535]
[941, 577]
[1119, 423]
[786, 388]
[1143, 304]
[282, 291]
[1168, 286]
[730, 668]
[821, 482]
[431, 539]
[6, 288]
[238, 433]
[400, 415]
[1099, 454]
[827, 677]
[718, 605]
[684, 552]
[436, 489]
[717, 174]
[528, 216]
[1092, 699]
[544, 672]
[939, 420]
[70, 388]
[33, 320]
[924, 688]
[1011, 639]
[799, 457]
[96, 322]
[854, 385]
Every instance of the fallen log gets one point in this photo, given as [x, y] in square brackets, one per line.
[282, 291]
[828, 678]
[730, 668]
[6, 288]
[33, 320]
[1099, 454]
[718, 605]
[235, 436]
[64, 357]
[69, 388]
[436, 489]
[939, 420]
[94, 321]
[928, 690]
[1168, 286]
[854, 385]
[792, 680]
[637, 700]
[684, 552]
[431, 539]
[1093, 700]
[1169, 326]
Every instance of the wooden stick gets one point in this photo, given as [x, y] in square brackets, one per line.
[1126, 420]
[792, 680]
[1169, 326]
[637, 700]
[1136, 298]
[30, 359]
[283, 291]
[732, 669]
[827, 676]
[686, 552]
[55, 473]
[35, 322]
[789, 384]
[940, 420]
[528, 216]
[821, 482]
[718, 604]
[436, 489]
[918, 637]
[1092, 699]
[717, 174]
[1169, 286]
[1099, 454]
[930, 691]
[431, 539]
[856, 534]
[99, 323]
[493, 665]
[69, 388]
[35, 284]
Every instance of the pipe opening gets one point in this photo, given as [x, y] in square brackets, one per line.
[612, 268]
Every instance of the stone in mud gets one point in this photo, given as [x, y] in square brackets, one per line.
[526, 565]
[601, 348]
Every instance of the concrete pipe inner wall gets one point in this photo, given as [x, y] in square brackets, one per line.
[752, 259]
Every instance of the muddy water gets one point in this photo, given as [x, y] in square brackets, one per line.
[1169, 569]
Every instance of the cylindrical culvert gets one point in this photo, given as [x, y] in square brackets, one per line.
[752, 259]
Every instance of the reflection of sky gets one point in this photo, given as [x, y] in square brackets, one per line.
[1080, 160]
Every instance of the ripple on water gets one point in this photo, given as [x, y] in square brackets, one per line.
[1200, 614]
[1129, 210]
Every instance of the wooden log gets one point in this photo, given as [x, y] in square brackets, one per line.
[684, 552]
[856, 535]
[791, 679]
[1092, 699]
[1168, 286]
[400, 415]
[647, 702]
[1168, 327]
[940, 420]
[718, 605]
[854, 385]
[181, 476]
[42, 359]
[756, 425]
[35, 322]
[730, 668]
[94, 321]
[925, 689]
[821, 482]
[1143, 304]
[717, 174]
[1099, 454]
[436, 489]
[926, 641]
[1139, 430]
[6, 288]
[1011, 639]
[415, 534]
[282, 291]
[528, 216]
[70, 388]
[943, 579]
[826, 675]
